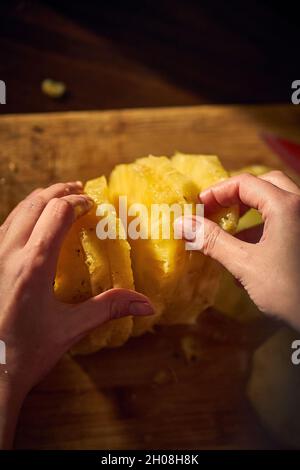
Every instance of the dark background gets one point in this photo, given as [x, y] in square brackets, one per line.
[117, 54]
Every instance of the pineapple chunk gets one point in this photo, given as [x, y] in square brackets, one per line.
[255, 170]
[252, 217]
[234, 302]
[72, 282]
[204, 171]
[109, 266]
[121, 276]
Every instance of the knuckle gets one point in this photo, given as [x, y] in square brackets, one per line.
[62, 208]
[60, 188]
[35, 256]
[33, 203]
[287, 204]
[114, 306]
[3, 229]
[275, 174]
[111, 310]
[210, 240]
[294, 203]
[245, 177]
[29, 270]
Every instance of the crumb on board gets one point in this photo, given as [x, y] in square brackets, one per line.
[190, 348]
[165, 376]
[53, 88]
[12, 166]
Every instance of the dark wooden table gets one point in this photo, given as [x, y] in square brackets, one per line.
[120, 54]
[111, 400]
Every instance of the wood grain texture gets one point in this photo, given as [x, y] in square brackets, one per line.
[111, 399]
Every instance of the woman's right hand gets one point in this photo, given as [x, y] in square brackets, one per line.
[270, 269]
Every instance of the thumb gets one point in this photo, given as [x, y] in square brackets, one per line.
[232, 253]
[110, 305]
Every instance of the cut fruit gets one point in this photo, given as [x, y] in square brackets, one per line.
[104, 263]
[252, 217]
[255, 170]
[204, 171]
[155, 262]
[233, 301]
[179, 283]
[72, 281]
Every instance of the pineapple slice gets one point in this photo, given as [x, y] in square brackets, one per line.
[153, 261]
[88, 266]
[118, 251]
[191, 292]
[206, 170]
[252, 217]
[109, 266]
[72, 281]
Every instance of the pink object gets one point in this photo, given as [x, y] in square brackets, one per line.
[287, 150]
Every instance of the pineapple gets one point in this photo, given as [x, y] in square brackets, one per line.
[155, 263]
[179, 283]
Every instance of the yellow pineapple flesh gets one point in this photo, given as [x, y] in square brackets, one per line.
[205, 171]
[179, 283]
[88, 266]
[72, 281]
[154, 262]
[252, 217]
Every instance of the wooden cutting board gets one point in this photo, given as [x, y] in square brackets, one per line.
[146, 395]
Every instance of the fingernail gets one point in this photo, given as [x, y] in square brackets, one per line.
[74, 187]
[178, 228]
[204, 193]
[187, 227]
[140, 308]
[89, 201]
[83, 206]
